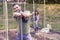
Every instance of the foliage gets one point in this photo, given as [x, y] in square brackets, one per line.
[46, 1]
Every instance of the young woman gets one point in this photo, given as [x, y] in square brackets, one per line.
[35, 19]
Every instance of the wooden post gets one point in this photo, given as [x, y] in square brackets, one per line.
[5, 12]
[20, 32]
[44, 15]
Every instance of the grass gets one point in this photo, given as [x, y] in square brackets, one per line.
[1, 24]
[51, 16]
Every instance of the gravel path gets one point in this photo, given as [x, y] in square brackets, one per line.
[37, 36]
